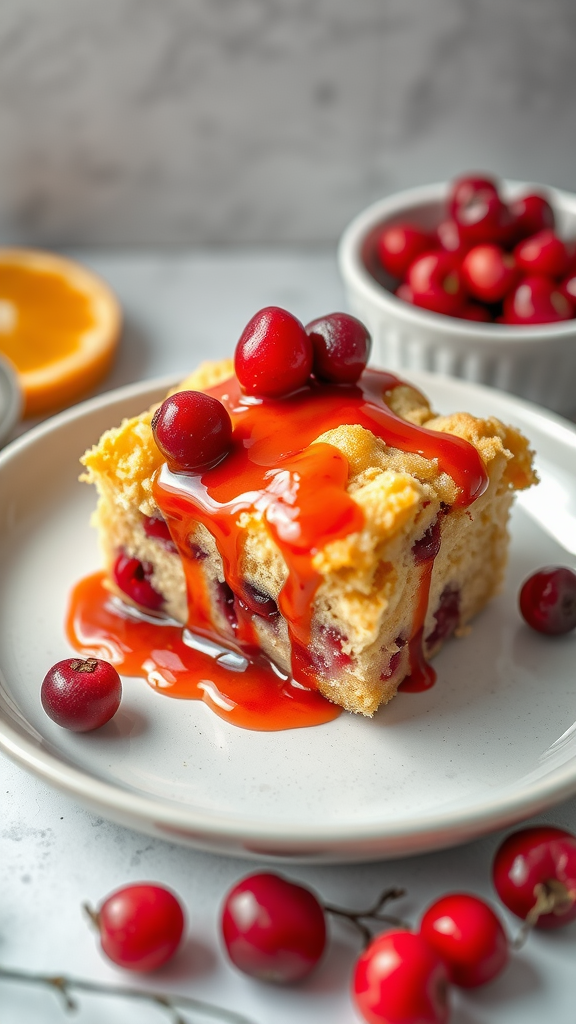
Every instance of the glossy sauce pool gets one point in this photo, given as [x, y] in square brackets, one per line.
[257, 698]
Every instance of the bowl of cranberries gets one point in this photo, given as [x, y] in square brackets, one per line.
[475, 278]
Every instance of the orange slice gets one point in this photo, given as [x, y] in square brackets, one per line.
[59, 326]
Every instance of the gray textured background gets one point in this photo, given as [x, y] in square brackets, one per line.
[126, 122]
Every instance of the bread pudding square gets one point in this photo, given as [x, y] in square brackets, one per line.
[346, 557]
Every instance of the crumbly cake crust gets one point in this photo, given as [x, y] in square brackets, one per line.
[369, 583]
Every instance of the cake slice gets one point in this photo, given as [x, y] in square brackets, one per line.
[348, 534]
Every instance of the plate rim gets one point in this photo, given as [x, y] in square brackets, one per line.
[220, 831]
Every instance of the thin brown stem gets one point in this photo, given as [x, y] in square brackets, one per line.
[172, 1004]
[552, 897]
[92, 915]
[372, 913]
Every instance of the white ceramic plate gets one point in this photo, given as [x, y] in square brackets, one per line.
[491, 743]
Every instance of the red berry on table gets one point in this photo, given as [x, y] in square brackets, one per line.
[468, 936]
[436, 283]
[399, 245]
[192, 430]
[274, 354]
[474, 311]
[531, 213]
[341, 347]
[81, 695]
[450, 239]
[548, 600]
[543, 253]
[489, 272]
[534, 874]
[536, 300]
[273, 929]
[132, 577]
[400, 979]
[140, 926]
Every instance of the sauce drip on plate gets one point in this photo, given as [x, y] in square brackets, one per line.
[99, 625]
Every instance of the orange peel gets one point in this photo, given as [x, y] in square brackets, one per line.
[59, 327]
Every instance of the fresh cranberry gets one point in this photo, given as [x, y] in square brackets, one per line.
[450, 238]
[400, 979]
[274, 354]
[474, 311]
[140, 926]
[436, 282]
[542, 254]
[465, 188]
[536, 300]
[132, 577]
[273, 929]
[157, 528]
[534, 873]
[446, 616]
[548, 600]
[568, 288]
[341, 347]
[531, 213]
[192, 430]
[81, 695]
[405, 292]
[489, 272]
[399, 245]
[479, 212]
[468, 936]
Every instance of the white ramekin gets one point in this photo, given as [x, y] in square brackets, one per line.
[537, 363]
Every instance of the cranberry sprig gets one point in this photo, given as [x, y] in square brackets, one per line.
[64, 985]
[275, 930]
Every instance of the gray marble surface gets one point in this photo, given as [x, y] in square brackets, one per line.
[233, 121]
[54, 854]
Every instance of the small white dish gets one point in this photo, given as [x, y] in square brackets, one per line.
[537, 363]
[493, 742]
[10, 400]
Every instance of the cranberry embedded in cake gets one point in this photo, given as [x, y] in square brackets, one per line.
[342, 530]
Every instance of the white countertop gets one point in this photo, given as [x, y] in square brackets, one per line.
[54, 854]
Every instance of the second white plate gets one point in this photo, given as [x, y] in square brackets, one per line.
[492, 742]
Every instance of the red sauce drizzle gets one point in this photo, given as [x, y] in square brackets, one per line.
[257, 698]
[300, 490]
